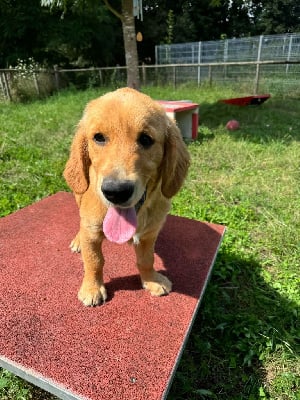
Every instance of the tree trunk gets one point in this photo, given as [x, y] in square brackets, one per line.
[130, 46]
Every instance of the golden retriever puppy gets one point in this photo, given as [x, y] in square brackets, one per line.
[126, 161]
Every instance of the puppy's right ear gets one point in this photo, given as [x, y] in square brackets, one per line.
[76, 171]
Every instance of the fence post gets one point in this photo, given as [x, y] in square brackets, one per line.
[199, 62]
[289, 53]
[2, 86]
[6, 87]
[100, 76]
[258, 65]
[36, 84]
[174, 76]
[225, 57]
[156, 55]
[56, 77]
[144, 73]
[210, 75]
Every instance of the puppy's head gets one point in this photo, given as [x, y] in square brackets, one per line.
[124, 144]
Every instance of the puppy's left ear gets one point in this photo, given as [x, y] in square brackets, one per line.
[176, 161]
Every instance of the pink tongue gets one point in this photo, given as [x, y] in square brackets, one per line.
[119, 224]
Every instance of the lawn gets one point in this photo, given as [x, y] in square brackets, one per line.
[245, 340]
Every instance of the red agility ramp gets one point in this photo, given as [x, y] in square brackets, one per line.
[255, 100]
[127, 348]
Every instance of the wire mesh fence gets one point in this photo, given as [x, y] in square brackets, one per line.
[256, 48]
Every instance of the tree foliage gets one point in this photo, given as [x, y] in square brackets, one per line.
[70, 37]
[89, 34]
[279, 16]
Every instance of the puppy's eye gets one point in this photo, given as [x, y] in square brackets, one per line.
[100, 139]
[145, 140]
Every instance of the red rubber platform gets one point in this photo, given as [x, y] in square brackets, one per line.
[127, 348]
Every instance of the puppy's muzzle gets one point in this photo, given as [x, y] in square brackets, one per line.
[117, 191]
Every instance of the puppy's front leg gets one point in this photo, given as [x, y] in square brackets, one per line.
[156, 283]
[92, 291]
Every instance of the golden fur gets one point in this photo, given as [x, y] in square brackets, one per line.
[124, 120]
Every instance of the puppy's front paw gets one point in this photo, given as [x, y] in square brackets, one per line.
[75, 244]
[158, 285]
[92, 295]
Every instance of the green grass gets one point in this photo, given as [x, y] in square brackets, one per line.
[245, 340]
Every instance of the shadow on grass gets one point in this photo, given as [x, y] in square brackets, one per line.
[242, 320]
[275, 120]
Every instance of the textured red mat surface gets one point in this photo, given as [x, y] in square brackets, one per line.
[125, 349]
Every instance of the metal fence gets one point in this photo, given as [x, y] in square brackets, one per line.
[251, 65]
[284, 47]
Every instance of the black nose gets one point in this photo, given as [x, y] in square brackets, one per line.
[116, 191]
